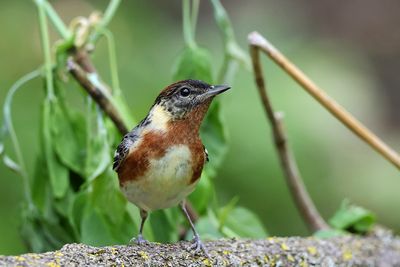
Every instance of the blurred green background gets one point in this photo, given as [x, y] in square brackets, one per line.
[347, 48]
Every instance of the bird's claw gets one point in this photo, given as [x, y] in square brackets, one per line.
[198, 246]
[139, 240]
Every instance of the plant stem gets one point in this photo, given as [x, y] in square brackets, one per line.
[195, 13]
[56, 20]
[223, 22]
[89, 132]
[113, 62]
[325, 100]
[46, 49]
[228, 69]
[300, 195]
[108, 15]
[11, 130]
[233, 53]
[187, 27]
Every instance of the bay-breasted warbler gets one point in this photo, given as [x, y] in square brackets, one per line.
[160, 161]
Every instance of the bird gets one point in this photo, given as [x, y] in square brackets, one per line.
[160, 161]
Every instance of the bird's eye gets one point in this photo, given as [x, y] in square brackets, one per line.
[185, 92]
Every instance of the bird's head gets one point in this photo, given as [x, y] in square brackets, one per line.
[187, 98]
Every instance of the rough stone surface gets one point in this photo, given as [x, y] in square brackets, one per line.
[293, 251]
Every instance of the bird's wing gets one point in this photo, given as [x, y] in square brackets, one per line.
[206, 153]
[123, 148]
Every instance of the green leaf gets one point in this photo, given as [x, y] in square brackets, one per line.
[202, 194]
[79, 206]
[242, 222]
[40, 186]
[214, 136]
[353, 218]
[84, 151]
[69, 137]
[95, 229]
[42, 233]
[329, 233]
[163, 226]
[59, 175]
[106, 195]
[193, 63]
[98, 155]
[207, 228]
[125, 230]
[61, 206]
[32, 235]
[238, 222]
[224, 211]
[56, 233]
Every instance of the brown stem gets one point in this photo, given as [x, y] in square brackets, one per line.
[325, 100]
[81, 57]
[301, 197]
[105, 104]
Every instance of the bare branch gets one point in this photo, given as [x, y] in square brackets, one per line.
[293, 251]
[81, 57]
[300, 195]
[105, 104]
[325, 100]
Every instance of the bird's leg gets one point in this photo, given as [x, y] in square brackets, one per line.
[197, 244]
[140, 240]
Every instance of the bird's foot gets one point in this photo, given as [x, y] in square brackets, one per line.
[139, 240]
[198, 246]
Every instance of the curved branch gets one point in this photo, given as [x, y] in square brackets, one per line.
[293, 178]
[325, 100]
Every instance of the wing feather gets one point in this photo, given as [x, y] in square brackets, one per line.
[123, 148]
[206, 153]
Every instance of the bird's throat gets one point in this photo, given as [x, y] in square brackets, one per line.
[159, 118]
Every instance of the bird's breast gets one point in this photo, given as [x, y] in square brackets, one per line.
[173, 168]
[168, 179]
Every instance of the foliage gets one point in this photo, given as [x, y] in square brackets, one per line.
[72, 195]
[230, 221]
[353, 218]
[349, 218]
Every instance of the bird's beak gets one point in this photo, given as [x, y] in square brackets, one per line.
[216, 90]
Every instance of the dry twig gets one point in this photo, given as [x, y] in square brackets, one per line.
[288, 162]
[105, 104]
[331, 105]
